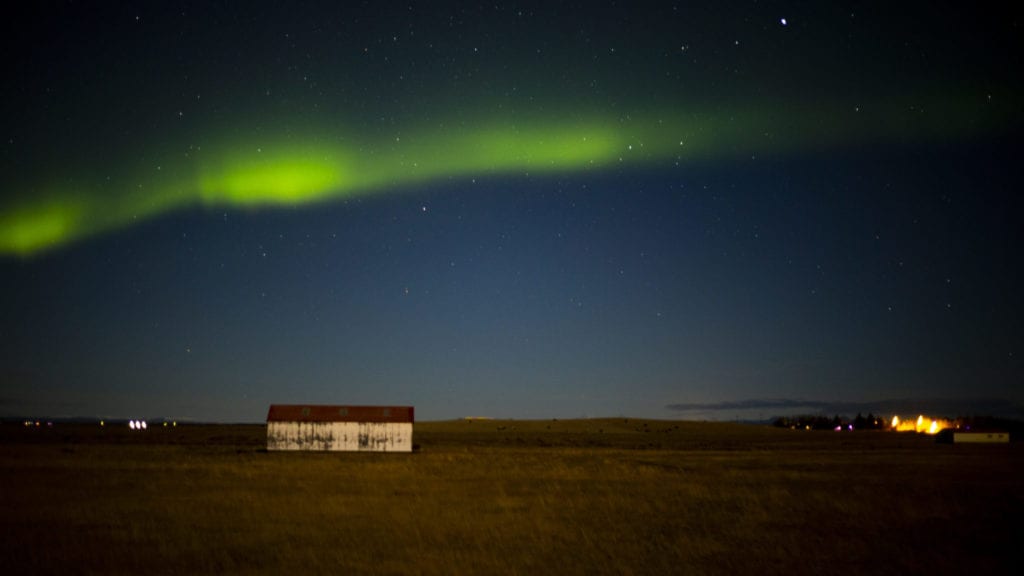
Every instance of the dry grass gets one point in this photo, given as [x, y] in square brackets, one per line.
[575, 497]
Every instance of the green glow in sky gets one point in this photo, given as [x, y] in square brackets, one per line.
[33, 227]
[297, 169]
[268, 179]
[278, 173]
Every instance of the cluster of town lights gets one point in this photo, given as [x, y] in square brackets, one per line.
[137, 424]
[923, 424]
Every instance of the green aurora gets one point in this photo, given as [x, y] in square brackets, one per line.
[297, 168]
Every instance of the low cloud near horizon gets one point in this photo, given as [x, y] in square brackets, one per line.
[936, 407]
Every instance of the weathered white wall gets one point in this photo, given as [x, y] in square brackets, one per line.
[338, 436]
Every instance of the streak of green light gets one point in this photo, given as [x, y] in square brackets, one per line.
[32, 227]
[297, 168]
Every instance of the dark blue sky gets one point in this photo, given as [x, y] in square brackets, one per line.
[845, 264]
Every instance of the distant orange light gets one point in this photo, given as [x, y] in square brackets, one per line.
[923, 425]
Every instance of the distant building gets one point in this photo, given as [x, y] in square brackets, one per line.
[956, 436]
[960, 437]
[340, 428]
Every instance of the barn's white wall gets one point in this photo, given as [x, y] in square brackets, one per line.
[340, 436]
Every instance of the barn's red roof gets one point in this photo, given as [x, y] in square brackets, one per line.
[321, 413]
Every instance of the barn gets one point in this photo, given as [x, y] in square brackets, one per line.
[340, 428]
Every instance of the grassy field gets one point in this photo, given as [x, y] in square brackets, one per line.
[496, 497]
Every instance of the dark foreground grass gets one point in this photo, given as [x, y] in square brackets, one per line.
[485, 497]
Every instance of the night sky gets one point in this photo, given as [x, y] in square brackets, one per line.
[672, 210]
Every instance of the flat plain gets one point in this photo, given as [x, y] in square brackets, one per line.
[618, 496]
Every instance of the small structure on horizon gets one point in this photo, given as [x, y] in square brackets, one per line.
[993, 437]
[340, 428]
[957, 436]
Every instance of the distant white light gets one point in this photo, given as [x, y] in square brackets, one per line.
[783, 21]
[143, 424]
[131, 424]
